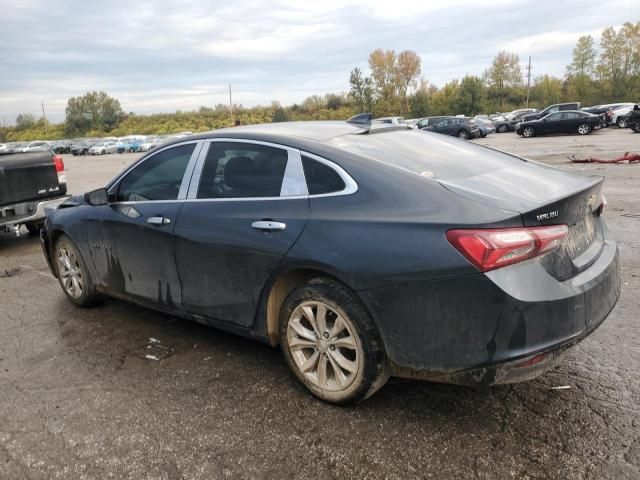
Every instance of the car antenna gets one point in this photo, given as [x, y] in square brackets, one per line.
[363, 119]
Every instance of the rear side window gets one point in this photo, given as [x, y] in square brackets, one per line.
[157, 178]
[242, 170]
[321, 178]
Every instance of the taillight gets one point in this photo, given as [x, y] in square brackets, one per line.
[59, 164]
[493, 248]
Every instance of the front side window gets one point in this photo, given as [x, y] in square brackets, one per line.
[321, 178]
[242, 170]
[157, 178]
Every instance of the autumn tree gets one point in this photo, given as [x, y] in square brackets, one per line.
[504, 74]
[546, 90]
[361, 90]
[619, 63]
[25, 120]
[472, 96]
[393, 76]
[92, 111]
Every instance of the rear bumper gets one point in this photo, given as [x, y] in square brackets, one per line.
[28, 212]
[509, 325]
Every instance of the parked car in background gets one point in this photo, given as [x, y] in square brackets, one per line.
[571, 121]
[18, 147]
[61, 146]
[619, 116]
[4, 148]
[82, 148]
[461, 127]
[558, 107]
[149, 144]
[429, 121]
[485, 126]
[103, 148]
[29, 183]
[130, 144]
[607, 110]
[515, 117]
[37, 146]
[500, 122]
[466, 234]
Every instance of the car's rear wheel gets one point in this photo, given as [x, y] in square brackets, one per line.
[331, 344]
[621, 122]
[528, 132]
[73, 274]
[584, 129]
[463, 134]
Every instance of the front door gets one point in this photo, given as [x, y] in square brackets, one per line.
[131, 238]
[247, 211]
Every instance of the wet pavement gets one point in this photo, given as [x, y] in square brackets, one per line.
[80, 397]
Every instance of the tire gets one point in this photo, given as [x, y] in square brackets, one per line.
[636, 127]
[77, 284]
[33, 228]
[584, 129]
[102, 152]
[463, 134]
[350, 365]
[528, 132]
[503, 129]
[621, 122]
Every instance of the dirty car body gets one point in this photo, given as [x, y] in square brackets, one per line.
[214, 246]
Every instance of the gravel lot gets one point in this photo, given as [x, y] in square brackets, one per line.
[78, 399]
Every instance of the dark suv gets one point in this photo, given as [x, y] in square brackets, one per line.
[461, 127]
[558, 107]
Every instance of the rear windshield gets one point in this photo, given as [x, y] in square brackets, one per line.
[431, 155]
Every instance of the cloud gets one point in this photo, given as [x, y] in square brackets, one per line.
[163, 55]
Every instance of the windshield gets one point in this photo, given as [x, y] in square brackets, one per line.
[426, 154]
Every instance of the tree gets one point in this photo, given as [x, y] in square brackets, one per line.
[472, 96]
[584, 57]
[279, 113]
[546, 90]
[504, 74]
[393, 76]
[93, 111]
[619, 63]
[25, 121]
[361, 90]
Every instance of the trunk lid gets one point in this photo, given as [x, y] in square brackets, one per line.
[28, 176]
[545, 196]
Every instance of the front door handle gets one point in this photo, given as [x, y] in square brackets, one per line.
[158, 221]
[269, 225]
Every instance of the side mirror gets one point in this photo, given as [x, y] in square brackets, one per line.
[97, 197]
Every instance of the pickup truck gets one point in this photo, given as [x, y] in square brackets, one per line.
[29, 184]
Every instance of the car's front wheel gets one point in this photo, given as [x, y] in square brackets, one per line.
[331, 344]
[73, 274]
[621, 122]
[584, 129]
[528, 132]
[463, 134]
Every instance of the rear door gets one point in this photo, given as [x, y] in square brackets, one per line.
[247, 205]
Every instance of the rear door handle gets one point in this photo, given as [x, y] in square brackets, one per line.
[269, 225]
[158, 221]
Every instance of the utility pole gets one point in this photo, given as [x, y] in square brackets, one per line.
[46, 130]
[528, 80]
[231, 106]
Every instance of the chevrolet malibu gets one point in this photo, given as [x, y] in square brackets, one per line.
[363, 250]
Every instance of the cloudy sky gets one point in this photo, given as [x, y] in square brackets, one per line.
[167, 55]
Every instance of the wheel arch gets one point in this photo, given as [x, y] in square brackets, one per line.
[281, 284]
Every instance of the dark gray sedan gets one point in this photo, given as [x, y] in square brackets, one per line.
[363, 250]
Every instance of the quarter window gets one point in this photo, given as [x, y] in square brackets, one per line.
[157, 178]
[242, 170]
[321, 178]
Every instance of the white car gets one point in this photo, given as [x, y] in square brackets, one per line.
[3, 147]
[618, 116]
[103, 148]
[150, 144]
[37, 146]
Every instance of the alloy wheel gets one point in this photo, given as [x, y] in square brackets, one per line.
[528, 132]
[70, 272]
[324, 346]
[583, 129]
[622, 123]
